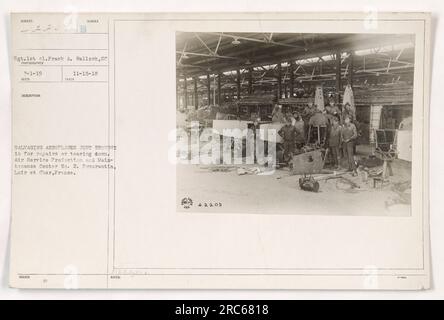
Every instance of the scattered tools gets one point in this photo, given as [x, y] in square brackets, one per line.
[244, 171]
[351, 183]
[218, 168]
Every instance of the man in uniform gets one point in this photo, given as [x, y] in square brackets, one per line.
[348, 136]
[288, 134]
[334, 140]
[348, 112]
[300, 131]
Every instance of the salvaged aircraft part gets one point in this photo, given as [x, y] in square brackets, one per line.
[375, 120]
[309, 184]
[308, 162]
[385, 150]
[348, 97]
[319, 98]
[317, 135]
[385, 140]
[404, 140]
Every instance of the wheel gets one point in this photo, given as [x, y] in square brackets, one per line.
[301, 182]
[316, 186]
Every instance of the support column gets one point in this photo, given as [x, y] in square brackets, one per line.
[279, 80]
[238, 83]
[338, 77]
[209, 88]
[177, 93]
[214, 90]
[219, 86]
[185, 88]
[350, 69]
[291, 79]
[250, 80]
[196, 95]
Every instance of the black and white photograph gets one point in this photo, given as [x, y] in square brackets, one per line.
[294, 123]
[221, 151]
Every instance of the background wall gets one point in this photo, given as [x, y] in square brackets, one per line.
[436, 128]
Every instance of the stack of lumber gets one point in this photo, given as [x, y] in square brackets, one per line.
[295, 101]
[385, 94]
[257, 99]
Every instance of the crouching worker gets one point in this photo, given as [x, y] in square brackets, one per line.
[334, 140]
[348, 136]
[288, 134]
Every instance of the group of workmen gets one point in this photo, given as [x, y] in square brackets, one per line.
[337, 125]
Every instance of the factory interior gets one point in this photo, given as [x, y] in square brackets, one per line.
[341, 105]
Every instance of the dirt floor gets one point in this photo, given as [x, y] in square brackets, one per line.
[242, 189]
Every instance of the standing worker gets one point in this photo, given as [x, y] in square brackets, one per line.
[299, 125]
[309, 111]
[348, 136]
[348, 110]
[288, 134]
[334, 140]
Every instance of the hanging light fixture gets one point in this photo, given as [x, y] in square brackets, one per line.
[235, 41]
